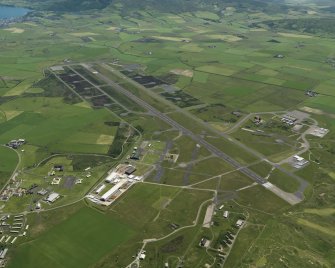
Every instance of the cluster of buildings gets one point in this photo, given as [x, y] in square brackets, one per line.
[16, 143]
[299, 162]
[12, 189]
[289, 120]
[11, 229]
[311, 93]
[117, 182]
[52, 197]
[318, 131]
[258, 120]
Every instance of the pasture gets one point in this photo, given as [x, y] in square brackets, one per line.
[70, 244]
[220, 64]
[9, 160]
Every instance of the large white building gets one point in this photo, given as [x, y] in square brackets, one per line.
[113, 190]
[52, 197]
[111, 177]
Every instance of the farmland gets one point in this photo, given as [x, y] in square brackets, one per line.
[200, 100]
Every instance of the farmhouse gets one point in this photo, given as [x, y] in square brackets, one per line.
[52, 197]
[16, 143]
[113, 190]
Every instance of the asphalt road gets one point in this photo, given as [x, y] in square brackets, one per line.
[251, 174]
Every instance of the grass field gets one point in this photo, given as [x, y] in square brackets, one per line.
[215, 62]
[7, 164]
[71, 244]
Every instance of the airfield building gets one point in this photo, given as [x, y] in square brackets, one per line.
[130, 170]
[100, 189]
[3, 253]
[52, 197]
[113, 190]
[111, 177]
[299, 162]
[290, 120]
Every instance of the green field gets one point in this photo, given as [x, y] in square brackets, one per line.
[7, 165]
[208, 66]
[79, 241]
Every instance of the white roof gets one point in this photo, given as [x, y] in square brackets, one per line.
[111, 177]
[239, 222]
[298, 158]
[52, 197]
[115, 188]
[100, 188]
[142, 256]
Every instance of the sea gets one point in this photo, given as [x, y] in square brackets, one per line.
[7, 12]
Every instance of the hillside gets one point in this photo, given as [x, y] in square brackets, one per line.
[176, 6]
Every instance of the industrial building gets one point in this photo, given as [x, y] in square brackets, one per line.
[113, 190]
[239, 223]
[288, 119]
[100, 189]
[111, 177]
[130, 170]
[52, 197]
[299, 162]
[3, 253]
